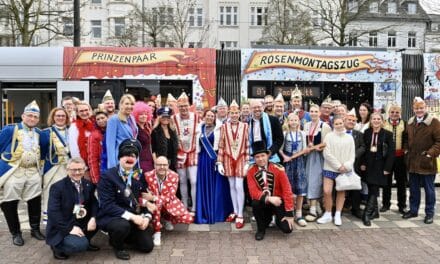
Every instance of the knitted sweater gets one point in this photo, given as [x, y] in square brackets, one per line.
[339, 150]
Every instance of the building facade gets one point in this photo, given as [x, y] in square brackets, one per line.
[391, 24]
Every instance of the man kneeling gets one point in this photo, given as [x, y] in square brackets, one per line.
[120, 213]
[162, 184]
[71, 212]
[270, 192]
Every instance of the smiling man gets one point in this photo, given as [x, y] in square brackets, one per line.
[422, 149]
[20, 172]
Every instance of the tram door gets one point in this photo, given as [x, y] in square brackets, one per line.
[78, 89]
[15, 97]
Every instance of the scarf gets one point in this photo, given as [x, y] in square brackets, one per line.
[83, 126]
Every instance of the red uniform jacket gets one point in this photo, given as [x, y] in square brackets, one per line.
[277, 184]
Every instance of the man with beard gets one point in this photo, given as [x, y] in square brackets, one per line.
[296, 103]
[109, 103]
[268, 104]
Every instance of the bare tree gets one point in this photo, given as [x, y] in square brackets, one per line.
[150, 26]
[179, 28]
[31, 18]
[286, 24]
[337, 16]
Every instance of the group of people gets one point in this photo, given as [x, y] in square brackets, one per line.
[146, 167]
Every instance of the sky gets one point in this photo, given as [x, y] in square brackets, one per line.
[431, 6]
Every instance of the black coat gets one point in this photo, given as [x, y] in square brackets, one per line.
[381, 160]
[359, 147]
[112, 200]
[62, 198]
[277, 133]
[161, 146]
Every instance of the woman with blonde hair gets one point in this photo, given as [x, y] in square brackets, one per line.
[120, 127]
[57, 153]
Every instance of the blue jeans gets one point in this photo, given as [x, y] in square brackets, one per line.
[73, 244]
[415, 182]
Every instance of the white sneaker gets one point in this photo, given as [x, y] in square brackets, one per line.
[169, 226]
[324, 219]
[338, 220]
[156, 239]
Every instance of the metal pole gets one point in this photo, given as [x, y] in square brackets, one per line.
[76, 24]
[143, 23]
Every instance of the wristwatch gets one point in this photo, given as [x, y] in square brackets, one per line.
[149, 216]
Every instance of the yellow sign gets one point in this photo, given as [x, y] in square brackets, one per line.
[133, 59]
[310, 62]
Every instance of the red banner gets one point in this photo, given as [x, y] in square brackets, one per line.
[115, 63]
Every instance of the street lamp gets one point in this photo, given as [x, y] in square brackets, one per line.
[76, 25]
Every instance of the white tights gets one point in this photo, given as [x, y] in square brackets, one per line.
[184, 174]
[237, 194]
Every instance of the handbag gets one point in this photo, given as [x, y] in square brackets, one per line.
[348, 181]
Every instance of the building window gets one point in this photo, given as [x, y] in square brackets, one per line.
[195, 44]
[372, 39]
[119, 27]
[374, 7]
[257, 43]
[96, 29]
[96, 1]
[391, 39]
[352, 40]
[412, 8]
[229, 15]
[68, 26]
[228, 44]
[258, 16]
[352, 6]
[434, 27]
[411, 39]
[392, 7]
[195, 17]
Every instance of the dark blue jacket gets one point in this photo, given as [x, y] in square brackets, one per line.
[112, 200]
[62, 198]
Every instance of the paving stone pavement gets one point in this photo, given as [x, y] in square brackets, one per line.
[389, 240]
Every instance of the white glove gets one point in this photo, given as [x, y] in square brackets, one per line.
[246, 168]
[220, 169]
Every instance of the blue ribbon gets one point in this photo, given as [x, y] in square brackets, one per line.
[207, 145]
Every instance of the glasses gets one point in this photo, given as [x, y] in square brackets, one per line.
[161, 165]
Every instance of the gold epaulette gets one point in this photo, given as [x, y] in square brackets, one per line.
[279, 166]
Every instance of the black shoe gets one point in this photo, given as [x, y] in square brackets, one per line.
[384, 208]
[357, 213]
[92, 247]
[260, 235]
[409, 215]
[122, 254]
[402, 210]
[59, 255]
[428, 220]
[37, 234]
[17, 240]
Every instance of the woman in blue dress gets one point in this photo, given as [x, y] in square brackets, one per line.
[213, 200]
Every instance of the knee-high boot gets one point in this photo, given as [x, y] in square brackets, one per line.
[34, 211]
[10, 211]
[369, 210]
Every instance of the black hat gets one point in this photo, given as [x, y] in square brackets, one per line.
[164, 111]
[259, 147]
[129, 147]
